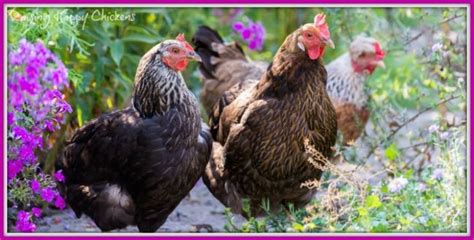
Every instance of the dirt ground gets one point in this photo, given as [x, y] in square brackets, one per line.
[199, 212]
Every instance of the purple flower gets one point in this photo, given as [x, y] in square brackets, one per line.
[59, 202]
[35, 186]
[36, 212]
[438, 174]
[47, 194]
[14, 167]
[32, 72]
[246, 34]
[433, 128]
[59, 176]
[10, 118]
[29, 86]
[437, 47]
[26, 153]
[49, 125]
[21, 133]
[63, 106]
[23, 223]
[421, 187]
[397, 184]
[238, 26]
[253, 34]
[444, 135]
[35, 80]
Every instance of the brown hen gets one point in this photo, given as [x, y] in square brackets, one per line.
[260, 126]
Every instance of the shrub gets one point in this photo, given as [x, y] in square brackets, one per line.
[36, 107]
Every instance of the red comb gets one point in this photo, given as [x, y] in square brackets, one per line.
[181, 38]
[320, 23]
[379, 53]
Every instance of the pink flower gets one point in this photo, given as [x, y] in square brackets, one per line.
[10, 118]
[35, 186]
[23, 222]
[59, 176]
[14, 167]
[49, 125]
[47, 194]
[36, 212]
[253, 34]
[59, 202]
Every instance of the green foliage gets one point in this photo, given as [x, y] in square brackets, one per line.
[425, 204]
[102, 56]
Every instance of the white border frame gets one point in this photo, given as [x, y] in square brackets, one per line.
[282, 5]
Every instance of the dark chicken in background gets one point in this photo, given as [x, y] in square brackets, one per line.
[346, 77]
[260, 126]
[135, 165]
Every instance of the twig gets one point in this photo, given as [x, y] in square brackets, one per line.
[451, 18]
[414, 117]
[415, 145]
[418, 114]
[414, 38]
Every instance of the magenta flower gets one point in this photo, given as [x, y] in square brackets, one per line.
[36, 212]
[10, 118]
[238, 26]
[35, 186]
[59, 202]
[49, 125]
[23, 223]
[59, 176]
[36, 79]
[47, 194]
[14, 167]
[253, 34]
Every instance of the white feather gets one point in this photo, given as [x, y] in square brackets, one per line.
[301, 46]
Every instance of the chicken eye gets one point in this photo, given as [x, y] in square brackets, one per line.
[309, 35]
[175, 50]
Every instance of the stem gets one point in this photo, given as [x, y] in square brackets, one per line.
[414, 117]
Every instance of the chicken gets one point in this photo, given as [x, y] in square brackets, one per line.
[223, 66]
[345, 86]
[134, 166]
[260, 128]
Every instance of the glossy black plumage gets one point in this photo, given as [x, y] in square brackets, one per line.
[135, 165]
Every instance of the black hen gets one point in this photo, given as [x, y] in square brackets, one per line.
[135, 165]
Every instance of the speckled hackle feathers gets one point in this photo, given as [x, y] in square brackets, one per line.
[135, 165]
[346, 87]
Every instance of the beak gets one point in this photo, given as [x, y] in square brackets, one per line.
[192, 55]
[380, 64]
[329, 43]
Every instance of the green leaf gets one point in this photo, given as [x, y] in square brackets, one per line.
[409, 173]
[117, 50]
[298, 227]
[392, 152]
[363, 211]
[99, 71]
[372, 201]
[137, 37]
[384, 188]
